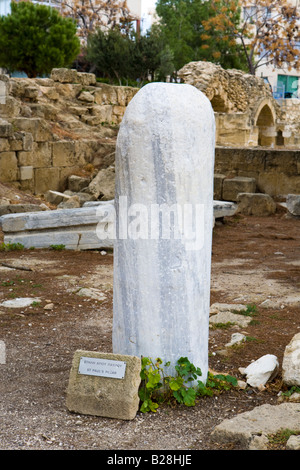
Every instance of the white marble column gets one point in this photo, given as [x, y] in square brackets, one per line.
[164, 165]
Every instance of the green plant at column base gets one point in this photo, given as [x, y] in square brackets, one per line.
[11, 246]
[157, 388]
[151, 383]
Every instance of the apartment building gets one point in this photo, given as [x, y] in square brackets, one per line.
[285, 82]
[134, 6]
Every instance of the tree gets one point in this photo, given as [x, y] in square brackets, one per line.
[181, 26]
[110, 53]
[268, 31]
[91, 15]
[36, 38]
[116, 55]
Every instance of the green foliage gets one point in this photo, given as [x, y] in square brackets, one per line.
[290, 391]
[127, 58]
[36, 38]
[251, 310]
[157, 388]
[57, 247]
[11, 246]
[279, 439]
[181, 27]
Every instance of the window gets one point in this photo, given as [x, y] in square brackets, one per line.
[290, 84]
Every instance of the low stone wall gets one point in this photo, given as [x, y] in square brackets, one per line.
[52, 127]
[277, 172]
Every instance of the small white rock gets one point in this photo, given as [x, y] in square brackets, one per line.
[20, 302]
[259, 372]
[236, 338]
[49, 306]
[293, 443]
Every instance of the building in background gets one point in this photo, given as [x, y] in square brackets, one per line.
[4, 7]
[284, 82]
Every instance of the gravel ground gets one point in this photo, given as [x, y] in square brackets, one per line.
[254, 260]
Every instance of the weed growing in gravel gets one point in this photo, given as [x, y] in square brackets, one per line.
[11, 246]
[57, 247]
[251, 310]
[278, 440]
[157, 388]
[290, 391]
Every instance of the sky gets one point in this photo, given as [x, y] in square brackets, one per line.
[145, 5]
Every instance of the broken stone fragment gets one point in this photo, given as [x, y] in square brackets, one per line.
[20, 302]
[103, 184]
[236, 338]
[77, 183]
[259, 372]
[291, 362]
[70, 203]
[293, 204]
[257, 204]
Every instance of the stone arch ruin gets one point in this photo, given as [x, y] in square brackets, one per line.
[265, 121]
[246, 113]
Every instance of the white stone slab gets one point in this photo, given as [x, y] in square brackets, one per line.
[75, 228]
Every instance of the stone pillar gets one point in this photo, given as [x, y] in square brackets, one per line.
[164, 220]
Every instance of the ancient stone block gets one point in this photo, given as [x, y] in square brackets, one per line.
[218, 186]
[86, 97]
[31, 92]
[291, 362]
[260, 205]
[86, 79]
[26, 172]
[45, 111]
[75, 228]
[11, 107]
[118, 111]
[233, 186]
[103, 184]
[104, 395]
[40, 156]
[4, 145]
[36, 126]
[64, 75]
[63, 154]
[104, 113]
[8, 167]
[105, 94]
[125, 94]
[77, 183]
[293, 203]
[50, 93]
[19, 209]
[26, 139]
[3, 92]
[46, 178]
[6, 129]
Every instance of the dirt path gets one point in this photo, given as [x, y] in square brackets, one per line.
[254, 261]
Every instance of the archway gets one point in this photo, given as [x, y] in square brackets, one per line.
[265, 121]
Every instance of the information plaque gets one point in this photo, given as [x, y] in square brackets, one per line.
[102, 367]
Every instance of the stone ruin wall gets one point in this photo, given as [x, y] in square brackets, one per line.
[53, 127]
[246, 113]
